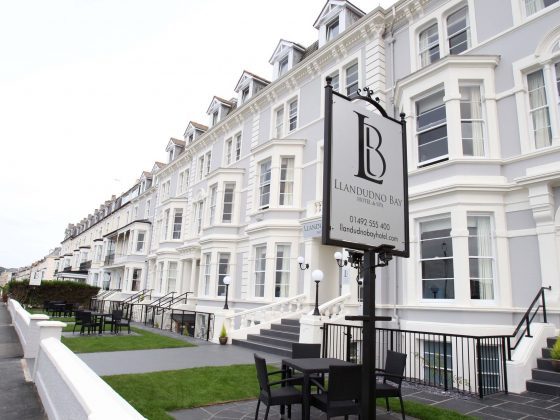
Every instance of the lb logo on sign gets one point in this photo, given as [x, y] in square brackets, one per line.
[371, 165]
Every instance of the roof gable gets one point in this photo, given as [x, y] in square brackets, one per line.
[332, 8]
[246, 77]
[174, 142]
[284, 47]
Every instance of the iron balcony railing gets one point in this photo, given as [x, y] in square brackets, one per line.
[86, 265]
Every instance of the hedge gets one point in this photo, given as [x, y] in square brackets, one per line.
[68, 291]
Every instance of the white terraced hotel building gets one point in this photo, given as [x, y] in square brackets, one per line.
[241, 194]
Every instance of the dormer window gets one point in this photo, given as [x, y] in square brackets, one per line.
[214, 118]
[171, 152]
[332, 29]
[244, 95]
[191, 138]
[283, 66]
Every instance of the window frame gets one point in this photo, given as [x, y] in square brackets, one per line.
[262, 185]
[286, 182]
[213, 194]
[220, 286]
[177, 225]
[431, 127]
[283, 271]
[260, 270]
[231, 203]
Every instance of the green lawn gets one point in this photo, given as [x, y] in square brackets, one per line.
[154, 394]
[144, 341]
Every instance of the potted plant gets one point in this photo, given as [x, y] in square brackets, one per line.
[555, 355]
[223, 335]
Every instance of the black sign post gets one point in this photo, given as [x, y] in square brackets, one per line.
[373, 163]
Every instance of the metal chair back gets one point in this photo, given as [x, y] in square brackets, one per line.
[345, 383]
[395, 363]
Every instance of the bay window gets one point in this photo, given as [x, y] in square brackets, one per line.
[282, 275]
[286, 181]
[472, 121]
[227, 212]
[213, 197]
[431, 128]
[436, 259]
[171, 276]
[229, 146]
[165, 227]
[177, 223]
[206, 275]
[260, 270]
[140, 240]
[480, 257]
[223, 271]
[264, 183]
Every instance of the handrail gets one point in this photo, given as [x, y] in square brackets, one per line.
[242, 316]
[137, 295]
[336, 304]
[527, 319]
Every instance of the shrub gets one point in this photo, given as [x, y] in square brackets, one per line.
[223, 332]
[555, 352]
[68, 291]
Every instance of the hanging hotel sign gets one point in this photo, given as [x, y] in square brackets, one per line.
[365, 189]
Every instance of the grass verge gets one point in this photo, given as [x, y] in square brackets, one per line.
[143, 341]
[155, 394]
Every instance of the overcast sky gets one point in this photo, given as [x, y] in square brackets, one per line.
[91, 92]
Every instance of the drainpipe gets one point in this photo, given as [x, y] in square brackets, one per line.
[393, 63]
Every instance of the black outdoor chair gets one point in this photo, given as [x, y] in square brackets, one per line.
[112, 319]
[90, 322]
[306, 351]
[77, 319]
[342, 398]
[119, 321]
[395, 363]
[285, 395]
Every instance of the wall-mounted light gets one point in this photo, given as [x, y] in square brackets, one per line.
[302, 264]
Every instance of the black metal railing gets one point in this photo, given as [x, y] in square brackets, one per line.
[86, 265]
[452, 362]
[523, 329]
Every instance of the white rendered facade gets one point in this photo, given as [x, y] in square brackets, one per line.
[243, 196]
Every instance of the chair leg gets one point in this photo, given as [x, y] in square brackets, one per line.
[402, 407]
[387, 404]
[257, 410]
[289, 411]
[266, 413]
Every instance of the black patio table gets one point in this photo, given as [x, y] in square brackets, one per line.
[308, 367]
[101, 316]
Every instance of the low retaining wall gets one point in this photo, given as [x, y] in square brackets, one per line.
[27, 328]
[69, 389]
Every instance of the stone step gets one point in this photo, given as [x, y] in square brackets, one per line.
[546, 375]
[550, 342]
[273, 341]
[263, 347]
[545, 364]
[281, 334]
[286, 328]
[292, 322]
[543, 387]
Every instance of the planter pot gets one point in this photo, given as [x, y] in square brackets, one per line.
[223, 340]
[556, 365]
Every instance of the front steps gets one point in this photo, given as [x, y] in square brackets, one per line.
[545, 379]
[276, 340]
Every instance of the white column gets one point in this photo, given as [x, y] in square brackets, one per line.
[542, 203]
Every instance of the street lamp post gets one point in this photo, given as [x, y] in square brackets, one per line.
[227, 282]
[317, 276]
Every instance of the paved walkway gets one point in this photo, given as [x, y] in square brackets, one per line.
[18, 399]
